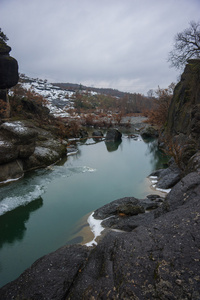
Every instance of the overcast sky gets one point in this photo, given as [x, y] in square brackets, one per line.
[122, 44]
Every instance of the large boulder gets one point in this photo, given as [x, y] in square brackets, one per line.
[16, 141]
[45, 154]
[113, 135]
[128, 213]
[126, 205]
[8, 68]
[33, 147]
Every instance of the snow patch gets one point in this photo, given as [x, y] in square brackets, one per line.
[16, 126]
[72, 153]
[154, 180]
[163, 190]
[5, 143]
[96, 228]
[10, 180]
[58, 100]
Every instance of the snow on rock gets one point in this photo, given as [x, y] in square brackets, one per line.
[58, 100]
[154, 180]
[15, 127]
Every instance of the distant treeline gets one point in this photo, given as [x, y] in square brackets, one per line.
[108, 99]
[78, 87]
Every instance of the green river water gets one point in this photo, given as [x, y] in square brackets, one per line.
[48, 208]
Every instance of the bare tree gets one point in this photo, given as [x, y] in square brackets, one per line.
[186, 46]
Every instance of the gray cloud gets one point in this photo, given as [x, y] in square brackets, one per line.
[108, 43]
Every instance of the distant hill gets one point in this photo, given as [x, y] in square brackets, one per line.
[77, 87]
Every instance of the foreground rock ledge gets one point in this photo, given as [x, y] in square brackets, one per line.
[157, 261]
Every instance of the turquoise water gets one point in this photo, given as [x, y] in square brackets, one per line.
[39, 213]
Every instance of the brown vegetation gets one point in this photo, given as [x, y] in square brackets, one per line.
[158, 115]
[98, 103]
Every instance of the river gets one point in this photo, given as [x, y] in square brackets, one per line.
[48, 208]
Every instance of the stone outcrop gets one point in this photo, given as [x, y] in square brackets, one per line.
[128, 213]
[8, 70]
[24, 146]
[113, 135]
[184, 110]
[183, 123]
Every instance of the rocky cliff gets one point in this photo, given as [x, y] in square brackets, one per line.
[183, 124]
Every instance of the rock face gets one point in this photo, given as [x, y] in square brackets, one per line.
[183, 122]
[8, 68]
[24, 146]
[158, 260]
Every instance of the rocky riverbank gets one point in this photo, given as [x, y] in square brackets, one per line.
[24, 146]
[155, 255]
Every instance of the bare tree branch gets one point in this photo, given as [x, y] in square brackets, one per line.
[186, 46]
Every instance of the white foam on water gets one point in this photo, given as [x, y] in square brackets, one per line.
[10, 203]
[96, 228]
[81, 169]
[26, 190]
[88, 169]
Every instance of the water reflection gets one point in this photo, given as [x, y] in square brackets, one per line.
[112, 146]
[12, 223]
[158, 158]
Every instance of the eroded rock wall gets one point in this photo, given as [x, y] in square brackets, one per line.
[184, 111]
[183, 123]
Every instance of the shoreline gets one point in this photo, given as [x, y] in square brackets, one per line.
[89, 229]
